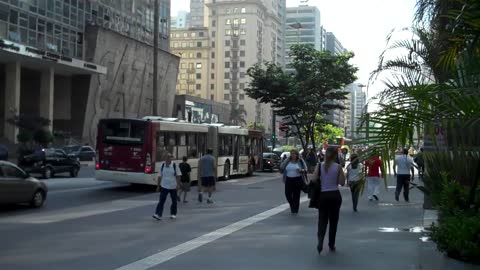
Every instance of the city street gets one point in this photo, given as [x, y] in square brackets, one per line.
[88, 224]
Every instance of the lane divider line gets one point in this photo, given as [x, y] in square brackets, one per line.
[169, 254]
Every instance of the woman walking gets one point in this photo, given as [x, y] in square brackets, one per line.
[293, 168]
[354, 177]
[185, 169]
[374, 177]
[329, 175]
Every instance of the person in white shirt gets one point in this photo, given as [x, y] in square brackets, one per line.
[167, 184]
[402, 168]
[355, 175]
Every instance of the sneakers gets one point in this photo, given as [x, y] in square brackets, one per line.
[173, 217]
[178, 199]
[376, 198]
[200, 197]
[157, 217]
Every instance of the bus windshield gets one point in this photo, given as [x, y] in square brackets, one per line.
[127, 132]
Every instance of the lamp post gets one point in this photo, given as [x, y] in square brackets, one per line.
[155, 57]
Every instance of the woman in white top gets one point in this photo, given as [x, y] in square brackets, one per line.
[354, 177]
[292, 169]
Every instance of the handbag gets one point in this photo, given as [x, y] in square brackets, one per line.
[315, 189]
[305, 183]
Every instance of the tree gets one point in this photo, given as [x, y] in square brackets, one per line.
[328, 133]
[314, 89]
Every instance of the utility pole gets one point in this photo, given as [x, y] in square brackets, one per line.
[155, 58]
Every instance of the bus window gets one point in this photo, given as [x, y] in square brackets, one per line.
[172, 144]
[192, 145]
[123, 132]
[242, 149]
[202, 144]
[161, 154]
[182, 145]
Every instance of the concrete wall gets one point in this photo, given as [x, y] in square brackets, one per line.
[126, 89]
[30, 92]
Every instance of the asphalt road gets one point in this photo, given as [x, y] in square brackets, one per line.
[88, 224]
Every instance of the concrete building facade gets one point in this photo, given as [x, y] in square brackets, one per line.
[74, 62]
[244, 33]
[192, 45]
[302, 27]
[181, 21]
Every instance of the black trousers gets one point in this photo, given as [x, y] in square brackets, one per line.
[163, 197]
[293, 188]
[355, 190]
[403, 181]
[328, 213]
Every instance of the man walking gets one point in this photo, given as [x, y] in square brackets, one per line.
[207, 174]
[403, 166]
[167, 184]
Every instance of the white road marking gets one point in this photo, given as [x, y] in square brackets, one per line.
[168, 254]
[77, 212]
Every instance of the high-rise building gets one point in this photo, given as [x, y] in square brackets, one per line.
[74, 62]
[192, 45]
[243, 33]
[323, 39]
[302, 27]
[359, 102]
[333, 44]
[198, 13]
[181, 21]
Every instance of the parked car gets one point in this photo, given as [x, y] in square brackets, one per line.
[17, 186]
[271, 161]
[3, 152]
[82, 153]
[49, 162]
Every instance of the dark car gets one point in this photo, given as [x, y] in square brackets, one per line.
[82, 153]
[3, 152]
[16, 186]
[271, 161]
[49, 162]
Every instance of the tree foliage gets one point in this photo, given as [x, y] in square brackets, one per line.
[313, 89]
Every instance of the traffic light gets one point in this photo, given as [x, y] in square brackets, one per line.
[274, 137]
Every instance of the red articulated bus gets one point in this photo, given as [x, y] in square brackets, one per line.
[132, 150]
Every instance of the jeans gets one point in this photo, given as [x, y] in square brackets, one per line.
[163, 197]
[293, 187]
[403, 181]
[355, 190]
[328, 212]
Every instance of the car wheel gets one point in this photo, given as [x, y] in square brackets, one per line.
[48, 173]
[226, 171]
[74, 171]
[38, 199]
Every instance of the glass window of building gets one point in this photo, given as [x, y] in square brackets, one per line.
[199, 55]
[243, 10]
[198, 86]
[242, 32]
[212, 66]
[235, 21]
[242, 53]
[183, 76]
[227, 11]
[226, 96]
[227, 64]
[242, 42]
[227, 54]
[212, 76]
[191, 55]
[193, 34]
[243, 20]
[199, 76]
[227, 75]
[227, 42]
[213, 44]
[242, 86]
[228, 21]
[226, 86]
[242, 74]
[212, 86]
[185, 35]
[213, 55]
[241, 97]
[200, 34]
[198, 65]
[235, 10]
[214, 23]
[241, 107]
[228, 32]
[242, 64]
[199, 44]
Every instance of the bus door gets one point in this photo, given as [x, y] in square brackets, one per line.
[236, 153]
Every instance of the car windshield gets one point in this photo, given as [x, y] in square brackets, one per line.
[71, 149]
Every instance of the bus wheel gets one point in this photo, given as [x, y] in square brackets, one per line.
[226, 171]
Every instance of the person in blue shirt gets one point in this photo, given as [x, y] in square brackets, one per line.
[207, 172]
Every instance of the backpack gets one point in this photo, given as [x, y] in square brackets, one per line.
[174, 169]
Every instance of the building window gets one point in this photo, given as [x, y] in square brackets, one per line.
[228, 21]
[199, 55]
[184, 65]
[243, 10]
[235, 21]
[242, 42]
[227, 75]
[242, 64]
[191, 55]
[227, 54]
[183, 76]
[243, 32]
[212, 76]
[184, 44]
[242, 74]
[241, 107]
[226, 96]
[242, 86]
[199, 76]
[213, 65]
[213, 54]
[228, 32]
[242, 53]
[213, 33]
[212, 86]
[200, 34]
[241, 97]
[226, 86]
[199, 44]
[185, 34]
[235, 10]
[243, 21]
[227, 64]
[227, 11]
[214, 23]
[198, 86]
[227, 42]
[193, 35]
[198, 65]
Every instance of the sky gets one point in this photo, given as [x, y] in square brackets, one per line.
[360, 25]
